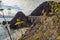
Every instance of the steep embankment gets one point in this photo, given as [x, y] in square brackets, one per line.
[45, 27]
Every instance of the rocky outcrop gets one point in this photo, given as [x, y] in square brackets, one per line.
[14, 20]
[47, 6]
[18, 14]
[45, 27]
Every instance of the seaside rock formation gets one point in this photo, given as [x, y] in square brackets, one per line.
[20, 16]
[48, 6]
[45, 27]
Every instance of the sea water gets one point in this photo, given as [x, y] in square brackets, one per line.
[7, 19]
[3, 32]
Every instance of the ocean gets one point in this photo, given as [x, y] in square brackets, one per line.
[7, 19]
[3, 32]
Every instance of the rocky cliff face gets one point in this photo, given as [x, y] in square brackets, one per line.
[48, 6]
[18, 15]
[45, 27]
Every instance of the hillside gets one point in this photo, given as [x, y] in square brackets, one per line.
[48, 6]
[45, 27]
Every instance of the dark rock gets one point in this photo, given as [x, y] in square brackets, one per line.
[22, 18]
[44, 6]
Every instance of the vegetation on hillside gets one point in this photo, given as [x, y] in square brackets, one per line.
[45, 27]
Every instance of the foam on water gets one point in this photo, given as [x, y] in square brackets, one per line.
[7, 19]
[3, 32]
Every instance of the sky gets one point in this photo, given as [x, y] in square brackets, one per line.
[27, 6]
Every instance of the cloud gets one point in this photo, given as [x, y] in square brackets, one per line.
[12, 7]
[27, 5]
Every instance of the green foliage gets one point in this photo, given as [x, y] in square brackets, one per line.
[55, 7]
[56, 20]
[41, 27]
[47, 33]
